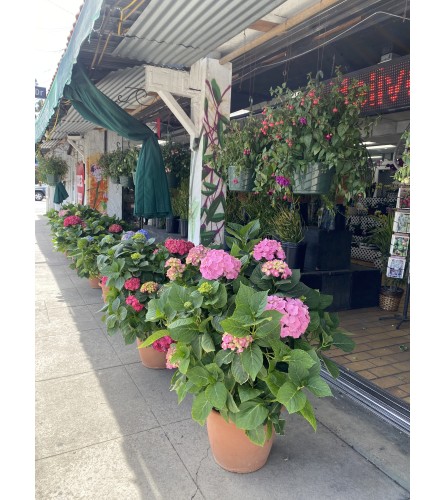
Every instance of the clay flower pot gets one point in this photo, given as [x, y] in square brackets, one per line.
[105, 290]
[151, 358]
[232, 449]
[94, 282]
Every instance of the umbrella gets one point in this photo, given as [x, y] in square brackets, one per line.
[60, 193]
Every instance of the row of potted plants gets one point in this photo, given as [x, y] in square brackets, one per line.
[244, 337]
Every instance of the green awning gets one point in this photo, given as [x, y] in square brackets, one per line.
[82, 29]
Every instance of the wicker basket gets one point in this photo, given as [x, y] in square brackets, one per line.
[390, 301]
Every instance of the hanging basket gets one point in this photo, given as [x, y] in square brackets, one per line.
[52, 179]
[124, 180]
[316, 180]
[114, 180]
[241, 180]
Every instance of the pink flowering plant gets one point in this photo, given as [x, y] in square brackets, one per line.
[247, 342]
[319, 123]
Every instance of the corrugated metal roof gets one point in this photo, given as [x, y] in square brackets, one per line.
[177, 33]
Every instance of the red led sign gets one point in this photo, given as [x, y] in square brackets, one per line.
[388, 84]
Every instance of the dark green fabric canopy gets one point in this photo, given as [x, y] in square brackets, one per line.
[151, 194]
[60, 193]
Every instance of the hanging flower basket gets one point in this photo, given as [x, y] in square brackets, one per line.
[52, 179]
[242, 180]
[316, 180]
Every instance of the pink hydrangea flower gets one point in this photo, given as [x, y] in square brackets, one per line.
[237, 344]
[295, 318]
[115, 228]
[180, 247]
[176, 268]
[196, 254]
[171, 350]
[276, 268]
[132, 284]
[162, 344]
[62, 213]
[72, 220]
[219, 263]
[103, 281]
[133, 302]
[269, 250]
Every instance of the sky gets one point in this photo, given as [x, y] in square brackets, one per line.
[54, 21]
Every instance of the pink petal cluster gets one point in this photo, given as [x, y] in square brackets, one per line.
[237, 344]
[180, 247]
[168, 364]
[132, 301]
[277, 268]
[132, 284]
[295, 318]
[219, 263]
[196, 255]
[162, 344]
[268, 249]
[62, 213]
[103, 281]
[72, 220]
[115, 228]
[149, 287]
[176, 268]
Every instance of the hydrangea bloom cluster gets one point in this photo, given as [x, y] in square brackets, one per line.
[135, 256]
[180, 247]
[176, 268]
[168, 364]
[72, 220]
[62, 213]
[108, 239]
[139, 237]
[269, 250]
[132, 284]
[149, 287]
[103, 281]
[196, 254]
[90, 238]
[277, 268]
[219, 263]
[296, 315]
[133, 302]
[144, 232]
[162, 344]
[237, 344]
[115, 228]
[127, 235]
[205, 288]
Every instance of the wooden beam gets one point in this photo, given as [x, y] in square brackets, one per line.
[302, 16]
[262, 25]
[180, 114]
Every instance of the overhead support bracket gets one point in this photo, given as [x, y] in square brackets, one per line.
[75, 142]
[166, 82]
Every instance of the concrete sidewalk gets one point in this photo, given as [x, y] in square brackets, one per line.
[109, 428]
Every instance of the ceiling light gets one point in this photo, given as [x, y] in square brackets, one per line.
[379, 157]
[368, 142]
[382, 146]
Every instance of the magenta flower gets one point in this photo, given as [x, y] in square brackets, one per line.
[162, 344]
[282, 181]
[295, 318]
[115, 228]
[302, 120]
[133, 302]
[218, 263]
[103, 281]
[180, 247]
[196, 254]
[132, 284]
[72, 220]
[269, 250]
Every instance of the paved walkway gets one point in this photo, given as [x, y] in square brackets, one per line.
[109, 428]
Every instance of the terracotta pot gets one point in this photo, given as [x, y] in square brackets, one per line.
[105, 290]
[232, 450]
[94, 282]
[151, 358]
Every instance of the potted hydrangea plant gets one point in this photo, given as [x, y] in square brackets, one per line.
[248, 340]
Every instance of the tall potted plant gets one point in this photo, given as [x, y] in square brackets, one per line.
[181, 206]
[288, 228]
[244, 346]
